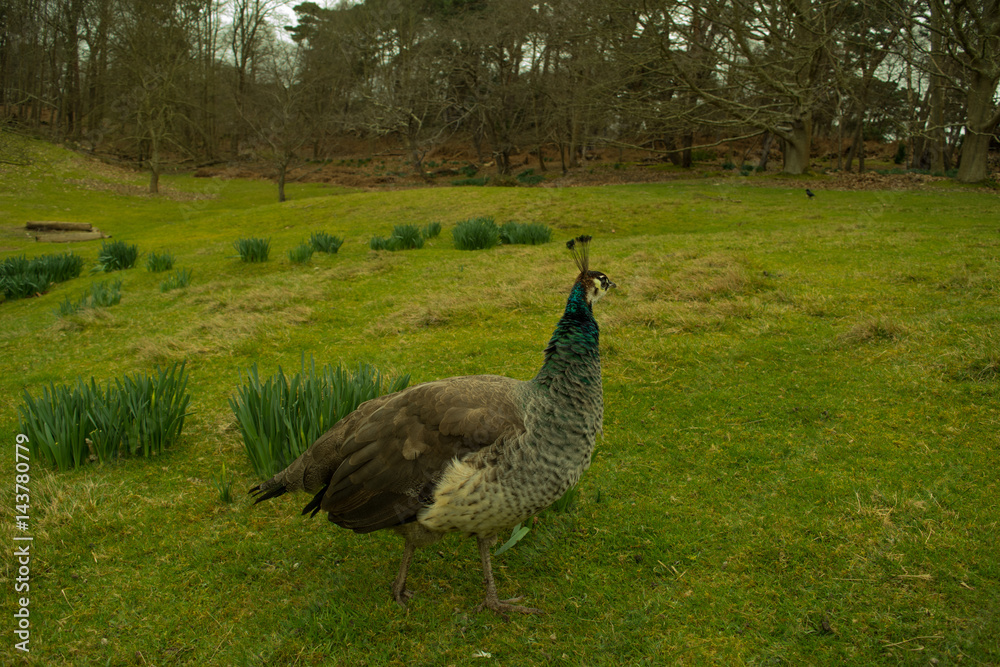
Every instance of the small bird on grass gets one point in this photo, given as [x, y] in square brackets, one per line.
[475, 454]
[809, 193]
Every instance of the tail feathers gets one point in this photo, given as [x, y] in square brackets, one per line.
[267, 490]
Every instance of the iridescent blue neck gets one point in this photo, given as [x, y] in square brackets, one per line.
[572, 352]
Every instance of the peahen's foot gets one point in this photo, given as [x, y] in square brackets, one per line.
[402, 596]
[492, 601]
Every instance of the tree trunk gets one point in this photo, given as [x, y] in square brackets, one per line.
[96, 82]
[972, 164]
[574, 137]
[857, 149]
[840, 142]
[154, 178]
[936, 93]
[686, 143]
[416, 156]
[797, 144]
[477, 144]
[71, 100]
[673, 154]
[282, 170]
[417, 160]
[979, 127]
[503, 161]
[413, 145]
[861, 146]
[154, 165]
[765, 151]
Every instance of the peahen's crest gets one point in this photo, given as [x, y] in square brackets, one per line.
[580, 247]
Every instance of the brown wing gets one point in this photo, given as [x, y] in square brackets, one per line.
[378, 466]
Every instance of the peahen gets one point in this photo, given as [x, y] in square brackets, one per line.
[475, 454]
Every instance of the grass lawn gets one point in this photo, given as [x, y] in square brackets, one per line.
[801, 446]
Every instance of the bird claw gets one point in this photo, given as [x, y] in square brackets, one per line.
[402, 597]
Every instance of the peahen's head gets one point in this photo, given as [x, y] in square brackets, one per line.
[594, 283]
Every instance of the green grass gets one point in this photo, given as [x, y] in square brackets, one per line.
[253, 250]
[409, 236]
[534, 233]
[177, 280]
[141, 414]
[383, 243]
[21, 278]
[156, 262]
[323, 242]
[479, 233]
[117, 256]
[403, 237]
[798, 465]
[280, 417]
[103, 294]
[301, 254]
[223, 483]
[431, 230]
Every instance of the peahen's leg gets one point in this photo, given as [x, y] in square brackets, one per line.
[492, 601]
[399, 591]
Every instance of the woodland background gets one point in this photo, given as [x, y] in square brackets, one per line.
[178, 84]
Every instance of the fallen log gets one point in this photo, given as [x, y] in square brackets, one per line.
[58, 226]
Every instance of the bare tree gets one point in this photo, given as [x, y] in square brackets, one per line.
[490, 83]
[955, 46]
[870, 31]
[575, 71]
[67, 18]
[210, 108]
[277, 112]
[153, 54]
[971, 32]
[670, 75]
[938, 65]
[333, 59]
[28, 57]
[406, 78]
[247, 39]
[776, 58]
